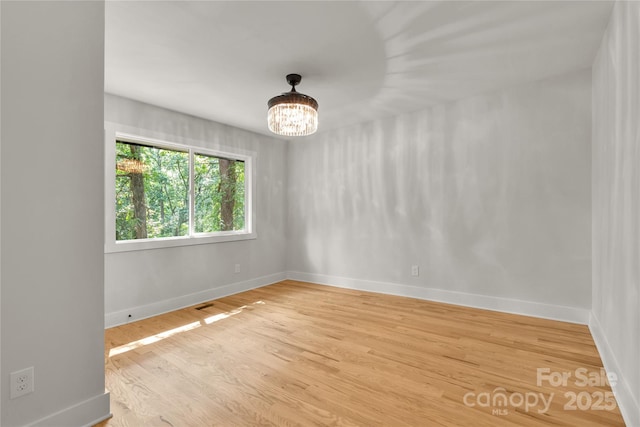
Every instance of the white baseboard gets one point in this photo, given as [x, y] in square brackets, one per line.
[628, 406]
[149, 310]
[506, 305]
[85, 414]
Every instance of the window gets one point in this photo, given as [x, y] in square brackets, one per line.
[168, 195]
[219, 194]
[152, 192]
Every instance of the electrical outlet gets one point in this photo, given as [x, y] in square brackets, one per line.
[415, 270]
[237, 268]
[21, 382]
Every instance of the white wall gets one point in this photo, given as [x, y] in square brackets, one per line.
[52, 275]
[615, 323]
[490, 196]
[148, 282]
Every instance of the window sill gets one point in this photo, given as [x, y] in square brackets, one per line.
[171, 242]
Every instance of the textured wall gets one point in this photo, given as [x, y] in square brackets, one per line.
[52, 210]
[490, 196]
[616, 199]
[140, 278]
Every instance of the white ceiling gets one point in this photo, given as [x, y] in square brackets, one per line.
[360, 59]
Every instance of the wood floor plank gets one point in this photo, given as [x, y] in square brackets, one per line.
[300, 354]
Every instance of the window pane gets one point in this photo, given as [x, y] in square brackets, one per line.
[219, 194]
[152, 192]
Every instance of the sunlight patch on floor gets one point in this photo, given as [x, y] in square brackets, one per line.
[166, 334]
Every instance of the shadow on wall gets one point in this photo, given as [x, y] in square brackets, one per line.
[490, 196]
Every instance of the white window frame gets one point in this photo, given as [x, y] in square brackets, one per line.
[115, 133]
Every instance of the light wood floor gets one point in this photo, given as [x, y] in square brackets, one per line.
[298, 354]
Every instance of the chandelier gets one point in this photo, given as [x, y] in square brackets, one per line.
[293, 113]
[132, 166]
